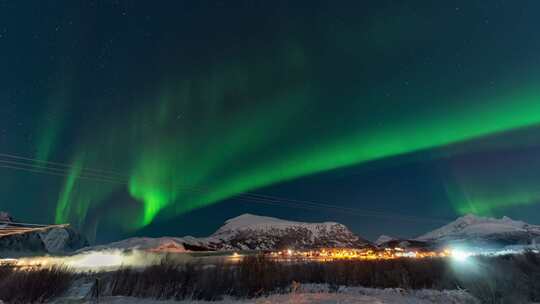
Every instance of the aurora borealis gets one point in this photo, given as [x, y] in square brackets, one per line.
[164, 112]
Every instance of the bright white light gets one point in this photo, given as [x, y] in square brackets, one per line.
[91, 260]
[460, 255]
[97, 260]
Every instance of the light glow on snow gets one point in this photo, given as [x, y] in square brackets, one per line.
[90, 260]
[97, 260]
[460, 255]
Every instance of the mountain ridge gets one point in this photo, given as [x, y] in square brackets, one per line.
[255, 232]
[18, 239]
[484, 231]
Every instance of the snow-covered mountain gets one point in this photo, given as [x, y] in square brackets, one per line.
[484, 231]
[47, 240]
[175, 244]
[384, 239]
[249, 231]
[252, 232]
[17, 239]
[5, 217]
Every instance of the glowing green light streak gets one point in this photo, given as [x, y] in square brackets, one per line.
[490, 189]
[63, 206]
[512, 112]
[241, 128]
[50, 131]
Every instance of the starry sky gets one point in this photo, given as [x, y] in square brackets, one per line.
[129, 118]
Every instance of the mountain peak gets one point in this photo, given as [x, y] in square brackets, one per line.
[383, 239]
[258, 222]
[248, 218]
[5, 217]
[506, 218]
[255, 232]
[471, 225]
[471, 218]
[249, 231]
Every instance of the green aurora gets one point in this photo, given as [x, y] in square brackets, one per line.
[191, 150]
[176, 115]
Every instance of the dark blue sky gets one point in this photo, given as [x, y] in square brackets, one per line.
[219, 94]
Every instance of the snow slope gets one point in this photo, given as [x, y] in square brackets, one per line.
[56, 239]
[5, 217]
[252, 232]
[144, 243]
[384, 239]
[249, 231]
[476, 228]
[34, 239]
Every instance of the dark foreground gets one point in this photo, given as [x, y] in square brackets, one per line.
[502, 279]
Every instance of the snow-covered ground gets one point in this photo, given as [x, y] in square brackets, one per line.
[317, 294]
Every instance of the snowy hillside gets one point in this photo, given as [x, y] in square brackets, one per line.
[5, 217]
[475, 228]
[146, 243]
[260, 232]
[252, 232]
[383, 239]
[20, 239]
[43, 240]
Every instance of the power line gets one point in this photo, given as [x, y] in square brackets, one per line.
[252, 197]
[53, 169]
[99, 176]
[57, 174]
[325, 205]
[22, 224]
[35, 160]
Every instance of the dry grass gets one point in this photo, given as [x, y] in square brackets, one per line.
[505, 279]
[33, 286]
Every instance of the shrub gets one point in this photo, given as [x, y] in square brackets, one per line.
[502, 279]
[34, 285]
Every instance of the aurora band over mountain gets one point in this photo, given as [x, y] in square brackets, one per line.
[220, 108]
[199, 157]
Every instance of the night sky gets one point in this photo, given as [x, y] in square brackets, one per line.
[159, 118]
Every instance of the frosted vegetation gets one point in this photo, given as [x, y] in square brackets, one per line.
[502, 279]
